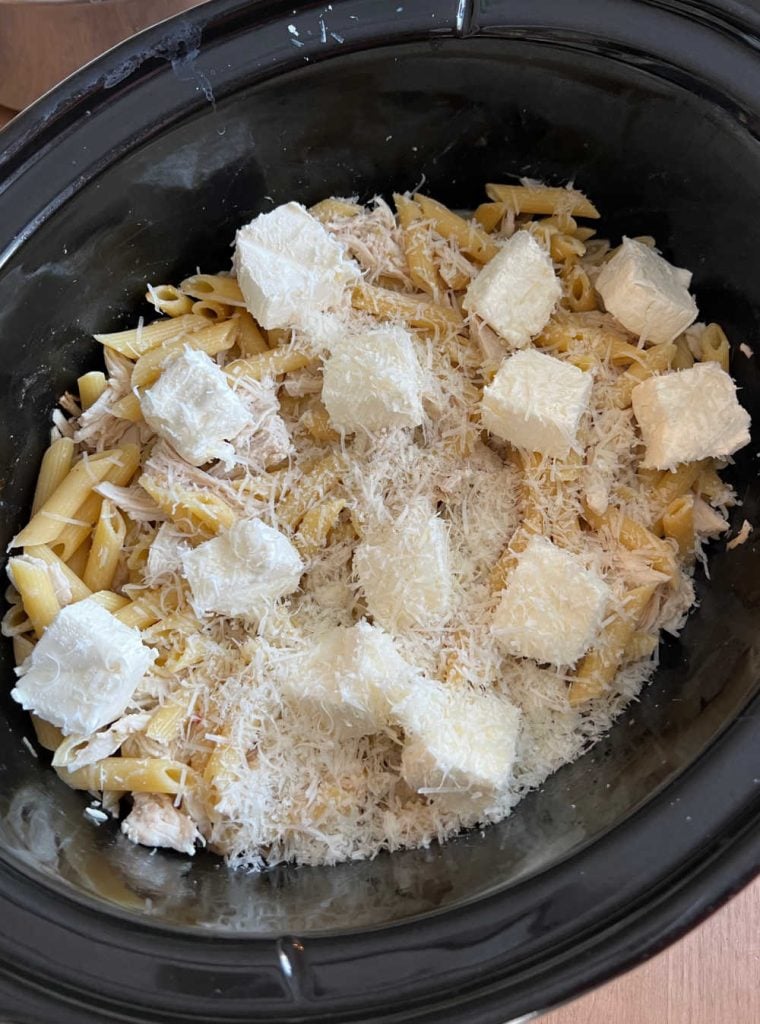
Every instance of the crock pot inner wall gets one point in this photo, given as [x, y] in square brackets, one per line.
[657, 160]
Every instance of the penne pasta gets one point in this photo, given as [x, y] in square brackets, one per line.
[634, 537]
[490, 215]
[203, 510]
[56, 463]
[139, 614]
[212, 311]
[131, 774]
[469, 236]
[542, 199]
[49, 736]
[671, 485]
[42, 553]
[317, 422]
[333, 209]
[578, 291]
[683, 358]
[91, 387]
[107, 543]
[128, 408]
[316, 525]
[599, 667]
[166, 722]
[78, 560]
[248, 335]
[218, 288]
[416, 235]
[109, 600]
[211, 340]
[22, 648]
[316, 483]
[139, 340]
[32, 580]
[678, 523]
[714, 347]
[268, 364]
[65, 503]
[413, 310]
[168, 300]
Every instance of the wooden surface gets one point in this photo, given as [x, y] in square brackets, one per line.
[712, 976]
[42, 41]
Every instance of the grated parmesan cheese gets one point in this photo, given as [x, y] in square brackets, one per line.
[384, 694]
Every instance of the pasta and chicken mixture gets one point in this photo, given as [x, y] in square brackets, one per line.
[356, 544]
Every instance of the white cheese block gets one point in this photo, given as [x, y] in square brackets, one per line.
[536, 402]
[350, 679]
[516, 292]
[553, 606]
[456, 739]
[287, 263]
[649, 296]
[83, 670]
[688, 415]
[243, 571]
[194, 409]
[373, 380]
[405, 573]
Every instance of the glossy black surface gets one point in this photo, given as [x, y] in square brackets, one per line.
[140, 167]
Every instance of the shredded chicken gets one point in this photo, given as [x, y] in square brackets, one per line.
[155, 821]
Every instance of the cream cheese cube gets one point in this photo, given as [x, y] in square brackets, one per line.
[688, 415]
[536, 402]
[287, 264]
[457, 739]
[243, 571]
[649, 296]
[350, 679]
[516, 292]
[194, 409]
[84, 669]
[553, 606]
[405, 573]
[373, 380]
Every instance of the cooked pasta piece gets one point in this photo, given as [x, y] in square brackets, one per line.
[168, 300]
[48, 736]
[139, 340]
[415, 311]
[597, 670]
[316, 525]
[64, 506]
[422, 268]
[91, 387]
[714, 347]
[77, 586]
[206, 512]
[542, 199]
[268, 364]
[212, 311]
[678, 523]
[468, 235]
[131, 774]
[249, 336]
[107, 544]
[38, 596]
[213, 288]
[56, 463]
[317, 481]
[211, 340]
